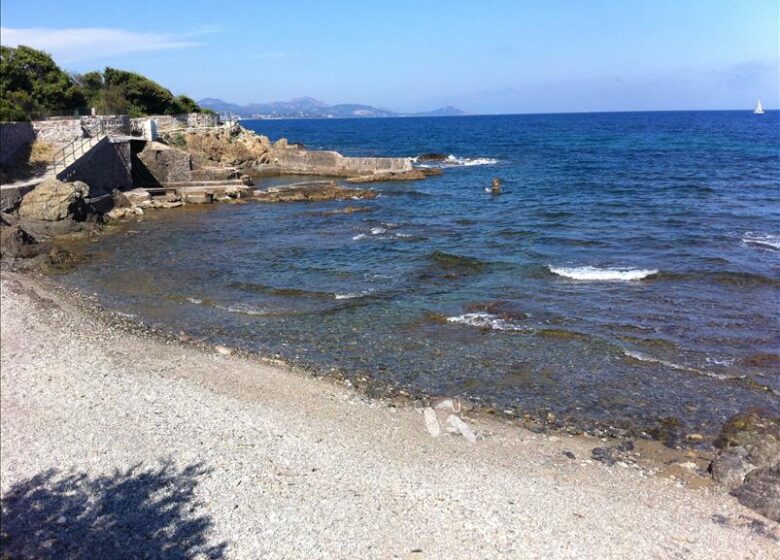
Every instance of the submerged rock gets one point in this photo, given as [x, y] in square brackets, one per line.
[432, 156]
[312, 191]
[411, 175]
[54, 200]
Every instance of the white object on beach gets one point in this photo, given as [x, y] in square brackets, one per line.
[431, 422]
[456, 425]
[224, 350]
[759, 110]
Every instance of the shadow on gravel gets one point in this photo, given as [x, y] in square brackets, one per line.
[139, 513]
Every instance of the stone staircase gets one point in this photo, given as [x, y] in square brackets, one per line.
[64, 159]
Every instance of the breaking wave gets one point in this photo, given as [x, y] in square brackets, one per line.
[649, 359]
[353, 295]
[593, 274]
[452, 161]
[762, 240]
[486, 321]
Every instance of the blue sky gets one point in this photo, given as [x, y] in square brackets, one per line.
[483, 56]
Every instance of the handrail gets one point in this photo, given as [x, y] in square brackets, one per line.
[78, 147]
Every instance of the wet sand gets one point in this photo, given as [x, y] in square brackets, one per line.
[259, 460]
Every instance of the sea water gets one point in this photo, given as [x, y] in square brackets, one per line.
[629, 273]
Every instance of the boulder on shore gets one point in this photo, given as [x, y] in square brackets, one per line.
[54, 200]
[748, 464]
[15, 242]
[312, 191]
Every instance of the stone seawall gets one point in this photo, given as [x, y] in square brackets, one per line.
[60, 131]
[15, 141]
[298, 161]
[174, 122]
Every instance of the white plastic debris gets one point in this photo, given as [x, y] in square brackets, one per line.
[431, 422]
[456, 425]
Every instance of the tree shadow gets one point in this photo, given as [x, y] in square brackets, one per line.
[138, 513]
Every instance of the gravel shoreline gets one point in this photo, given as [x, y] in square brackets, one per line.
[124, 444]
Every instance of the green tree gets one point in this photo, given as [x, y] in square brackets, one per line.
[31, 82]
[33, 86]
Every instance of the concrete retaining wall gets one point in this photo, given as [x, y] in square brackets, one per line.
[104, 168]
[294, 160]
[15, 141]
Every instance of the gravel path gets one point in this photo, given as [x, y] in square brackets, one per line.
[116, 445]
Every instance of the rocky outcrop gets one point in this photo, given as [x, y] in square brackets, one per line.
[312, 191]
[748, 464]
[411, 175]
[228, 146]
[254, 154]
[54, 200]
[166, 164]
[15, 242]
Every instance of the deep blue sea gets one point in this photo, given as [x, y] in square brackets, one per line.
[629, 273]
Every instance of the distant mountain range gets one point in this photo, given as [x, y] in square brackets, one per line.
[310, 108]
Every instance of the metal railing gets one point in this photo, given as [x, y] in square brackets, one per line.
[69, 154]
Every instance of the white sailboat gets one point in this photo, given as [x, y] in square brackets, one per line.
[759, 109]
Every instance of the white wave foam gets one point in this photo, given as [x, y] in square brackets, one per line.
[602, 274]
[380, 233]
[763, 240]
[645, 358]
[240, 309]
[455, 161]
[353, 295]
[485, 321]
[196, 301]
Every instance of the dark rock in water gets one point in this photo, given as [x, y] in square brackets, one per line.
[761, 491]
[501, 308]
[312, 191]
[410, 175]
[757, 431]
[60, 260]
[432, 156]
[495, 187]
[669, 431]
[447, 260]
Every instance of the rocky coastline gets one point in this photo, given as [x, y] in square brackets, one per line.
[610, 473]
[38, 229]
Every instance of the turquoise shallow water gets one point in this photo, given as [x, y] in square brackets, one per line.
[630, 272]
